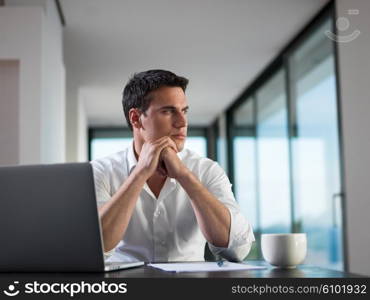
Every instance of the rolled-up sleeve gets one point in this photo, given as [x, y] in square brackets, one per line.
[101, 190]
[241, 234]
[101, 182]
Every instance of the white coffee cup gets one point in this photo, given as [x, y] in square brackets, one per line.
[284, 250]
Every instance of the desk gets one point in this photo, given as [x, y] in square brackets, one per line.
[302, 271]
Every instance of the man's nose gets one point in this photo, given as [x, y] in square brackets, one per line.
[181, 120]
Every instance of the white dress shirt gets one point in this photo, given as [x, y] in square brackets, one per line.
[165, 228]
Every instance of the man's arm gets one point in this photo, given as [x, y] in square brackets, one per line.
[116, 213]
[213, 217]
[227, 231]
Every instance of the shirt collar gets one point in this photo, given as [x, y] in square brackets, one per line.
[132, 161]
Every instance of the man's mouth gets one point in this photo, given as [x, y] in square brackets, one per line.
[179, 136]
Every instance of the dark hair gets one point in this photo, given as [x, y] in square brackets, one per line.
[141, 84]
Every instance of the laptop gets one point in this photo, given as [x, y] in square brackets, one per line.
[49, 220]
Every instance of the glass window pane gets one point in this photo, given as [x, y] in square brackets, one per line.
[244, 166]
[245, 179]
[244, 161]
[101, 147]
[197, 144]
[273, 156]
[316, 149]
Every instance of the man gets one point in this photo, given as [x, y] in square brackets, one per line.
[158, 201]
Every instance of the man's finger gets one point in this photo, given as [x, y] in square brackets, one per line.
[160, 140]
[174, 146]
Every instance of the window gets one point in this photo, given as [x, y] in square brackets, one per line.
[285, 147]
[197, 144]
[315, 148]
[273, 156]
[244, 166]
[101, 147]
[104, 142]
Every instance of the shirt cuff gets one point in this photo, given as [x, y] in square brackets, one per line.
[241, 238]
[108, 254]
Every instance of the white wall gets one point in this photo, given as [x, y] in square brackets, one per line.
[82, 128]
[20, 36]
[9, 90]
[53, 88]
[32, 35]
[71, 117]
[354, 76]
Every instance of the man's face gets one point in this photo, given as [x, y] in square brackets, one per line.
[166, 116]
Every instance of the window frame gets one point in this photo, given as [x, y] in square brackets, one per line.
[282, 61]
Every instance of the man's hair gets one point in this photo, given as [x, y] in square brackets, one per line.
[136, 91]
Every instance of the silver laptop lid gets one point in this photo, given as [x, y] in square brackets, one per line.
[49, 219]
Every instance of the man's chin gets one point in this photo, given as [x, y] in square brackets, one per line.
[180, 146]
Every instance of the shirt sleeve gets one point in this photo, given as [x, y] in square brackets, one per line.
[101, 190]
[101, 182]
[241, 234]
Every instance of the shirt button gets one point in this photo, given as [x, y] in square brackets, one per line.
[157, 213]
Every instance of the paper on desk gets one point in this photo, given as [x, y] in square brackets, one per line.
[203, 267]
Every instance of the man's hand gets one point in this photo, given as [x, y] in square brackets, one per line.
[173, 165]
[149, 158]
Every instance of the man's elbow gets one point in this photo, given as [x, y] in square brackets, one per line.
[109, 246]
[240, 253]
[108, 249]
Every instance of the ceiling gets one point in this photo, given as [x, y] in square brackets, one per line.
[219, 45]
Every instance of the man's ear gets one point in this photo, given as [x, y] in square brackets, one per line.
[134, 116]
